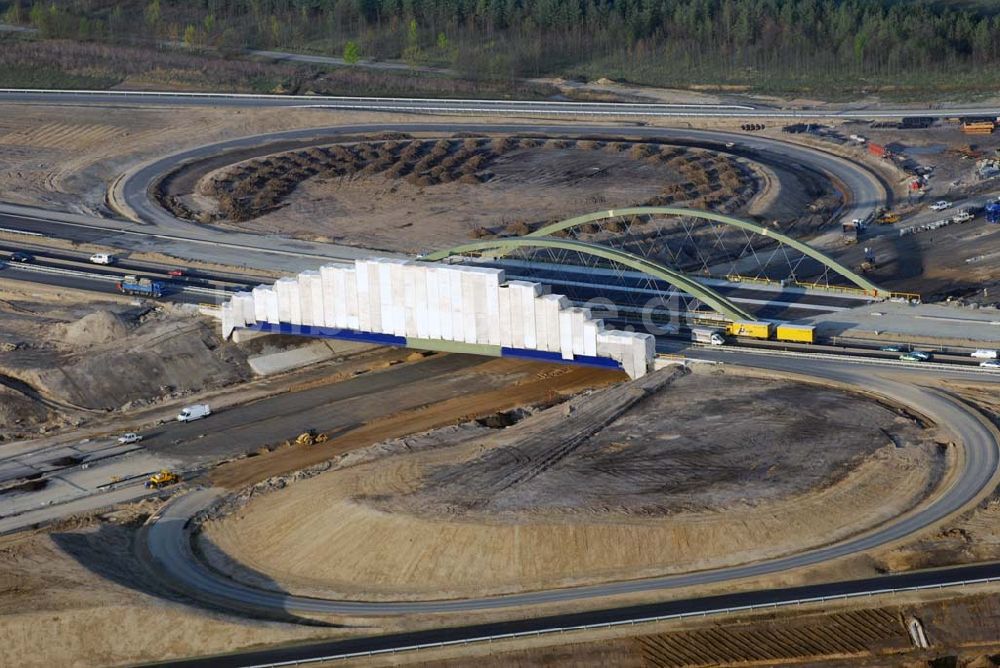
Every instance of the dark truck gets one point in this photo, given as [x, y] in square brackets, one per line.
[142, 287]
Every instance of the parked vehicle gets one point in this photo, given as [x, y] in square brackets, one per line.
[712, 337]
[990, 364]
[21, 256]
[940, 205]
[129, 437]
[102, 258]
[985, 354]
[143, 287]
[962, 217]
[194, 412]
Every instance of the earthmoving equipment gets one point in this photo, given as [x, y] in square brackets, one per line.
[311, 437]
[162, 479]
[886, 217]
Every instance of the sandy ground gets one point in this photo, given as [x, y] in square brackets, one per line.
[534, 181]
[65, 157]
[73, 597]
[972, 537]
[319, 535]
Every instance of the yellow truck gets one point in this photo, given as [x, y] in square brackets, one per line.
[753, 330]
[796, 333]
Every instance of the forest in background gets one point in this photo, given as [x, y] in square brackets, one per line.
[807, 46]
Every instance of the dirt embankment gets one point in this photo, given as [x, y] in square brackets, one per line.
[442, 191]
[706, 472]
[64, 357]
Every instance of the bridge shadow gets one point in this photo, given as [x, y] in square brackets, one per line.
[113, 553]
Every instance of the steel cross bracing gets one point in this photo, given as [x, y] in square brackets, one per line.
[708, 243]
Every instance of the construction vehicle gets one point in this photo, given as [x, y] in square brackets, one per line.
[886, 217]
[311, 437]
[142, 287]
[866, 266]
[162, 479]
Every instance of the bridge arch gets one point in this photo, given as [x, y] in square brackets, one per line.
[679, 280]
[807, 250]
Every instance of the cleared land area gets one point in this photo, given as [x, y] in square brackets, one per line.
[647, 477]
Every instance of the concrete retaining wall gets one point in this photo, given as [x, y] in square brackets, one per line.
[398, 302]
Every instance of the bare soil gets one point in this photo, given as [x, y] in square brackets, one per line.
[78, 597]
[415, 195]
[630, 481]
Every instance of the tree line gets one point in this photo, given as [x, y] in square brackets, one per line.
[667, 42]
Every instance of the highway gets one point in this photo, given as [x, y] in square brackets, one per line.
[168, 541]
[555, 624]
[479, 107]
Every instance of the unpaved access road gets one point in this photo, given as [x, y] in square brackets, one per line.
[169, 541]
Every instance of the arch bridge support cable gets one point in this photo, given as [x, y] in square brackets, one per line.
[805, 249]
[708, 296]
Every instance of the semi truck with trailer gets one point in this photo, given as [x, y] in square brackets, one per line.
[141, 287]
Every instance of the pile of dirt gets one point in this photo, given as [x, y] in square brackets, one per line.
[631, 481]
[93, 329]
[18, 411]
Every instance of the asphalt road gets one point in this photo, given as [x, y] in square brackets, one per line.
[865, 191]
[169, 543]
[305, 652]
[498, 107]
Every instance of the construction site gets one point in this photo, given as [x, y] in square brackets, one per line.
[704, 385]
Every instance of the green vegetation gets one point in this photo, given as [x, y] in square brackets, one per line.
[825, 46]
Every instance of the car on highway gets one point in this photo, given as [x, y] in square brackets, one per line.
[912, 357]
[922, 356]
[990, 364]
[129, 438]
[940, 205]
[21, 256]
[985, 354]
[177, 273]
[894, 348]
[102, 258]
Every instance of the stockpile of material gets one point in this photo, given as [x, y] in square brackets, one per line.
[417, 303]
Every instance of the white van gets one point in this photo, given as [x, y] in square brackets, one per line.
[195, 412]
[985, 354]
[102, 258]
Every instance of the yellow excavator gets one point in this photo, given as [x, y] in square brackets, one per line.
[162, 479]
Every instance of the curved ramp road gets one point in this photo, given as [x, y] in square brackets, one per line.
[498, 107]
[864, 191]
[169, 542]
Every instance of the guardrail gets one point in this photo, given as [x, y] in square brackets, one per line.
[361, 98]
[558, 630]
[852, 359]
[834, 288]
[27, 266]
